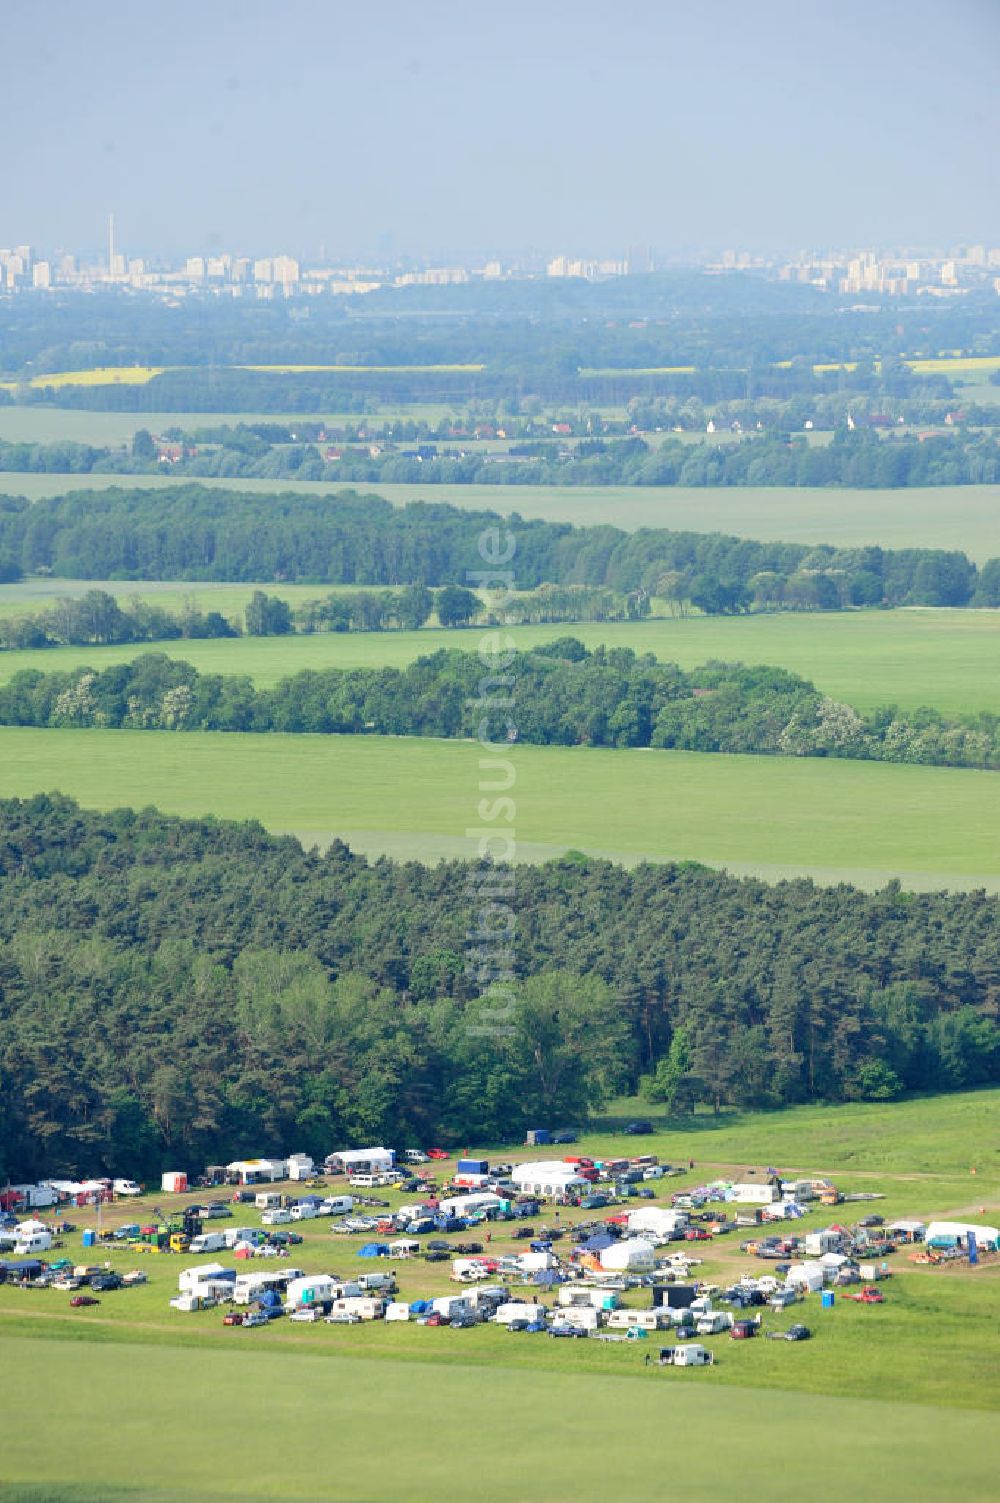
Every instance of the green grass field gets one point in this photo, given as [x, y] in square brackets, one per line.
[413, 798]
[134, 1424]
[948, 659]
[964, 516]
[111, 1402]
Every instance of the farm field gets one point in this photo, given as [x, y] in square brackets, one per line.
[158, 1372]
[416, 798]
[961, 516]
[948, 659]
[38, 594]
[39, 424]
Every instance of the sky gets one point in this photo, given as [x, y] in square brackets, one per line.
[443, 130]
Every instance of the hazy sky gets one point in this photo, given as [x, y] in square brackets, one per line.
[443, 128]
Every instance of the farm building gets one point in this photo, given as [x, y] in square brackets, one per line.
[549, 1179]
[756, 1187]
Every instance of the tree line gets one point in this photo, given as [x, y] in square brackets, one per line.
[175, 993]
[565, 696]
[858, 459]
[191, 532]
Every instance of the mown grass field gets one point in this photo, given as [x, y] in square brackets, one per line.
[948, 659]
[131, 1399]
[960, 516]
[417, 798]
[133, 1423]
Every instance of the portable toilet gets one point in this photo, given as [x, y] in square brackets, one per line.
[827, 1299]
[89, 1236]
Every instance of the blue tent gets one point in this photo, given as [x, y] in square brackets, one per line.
[374, 1250]
[598, 1242]
[549, 1276]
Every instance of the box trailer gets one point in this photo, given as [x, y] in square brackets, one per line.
[173, 1182]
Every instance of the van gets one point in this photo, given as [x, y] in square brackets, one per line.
[234, 1234]
[267, 1200]
[369, 1181]
[336, 1205]
[207, 1242]
[303, 1211]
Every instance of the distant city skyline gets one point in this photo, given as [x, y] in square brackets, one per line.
[440, 132]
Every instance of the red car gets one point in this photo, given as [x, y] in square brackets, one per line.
[80, 1300]
[233, 1318]
[436, 1153]
[697, 1234]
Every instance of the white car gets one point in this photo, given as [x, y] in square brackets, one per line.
[307, 1315]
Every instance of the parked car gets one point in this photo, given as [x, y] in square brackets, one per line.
[436, 1153]
[80, 1301]
[566, 1330]
[743, 1330]
[869, 1295]
[102, 1282]
[638, 1128]
[253, 1317]
[795, 1333]
[307, 1315]
[872, 1221]
[233, 1318]
[343, 1318]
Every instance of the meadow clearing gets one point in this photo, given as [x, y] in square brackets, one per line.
[908, 1386]
[949, 659]
[416, 798]
[959, 516]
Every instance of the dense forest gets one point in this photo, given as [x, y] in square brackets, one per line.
[857, 458]
[174, 993]
[670, 318]
[565, 696]
[192, 532]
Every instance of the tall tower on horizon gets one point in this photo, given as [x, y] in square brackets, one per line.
[111, 244]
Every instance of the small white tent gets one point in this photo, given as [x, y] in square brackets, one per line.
[808, 1276]
[634, 1255]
